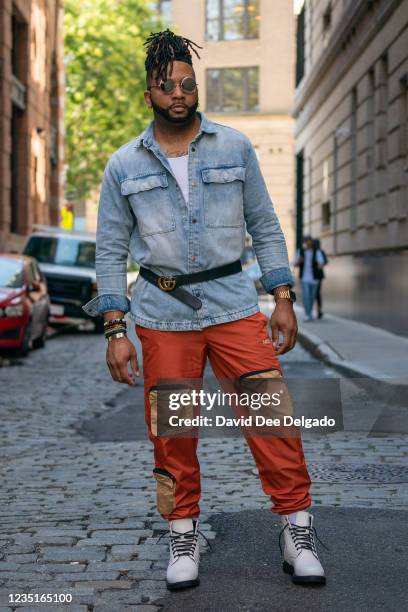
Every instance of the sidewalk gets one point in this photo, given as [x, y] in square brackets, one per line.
[356, 349]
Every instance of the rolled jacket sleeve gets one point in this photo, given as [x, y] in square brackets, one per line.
[114, 227]
[264, 227]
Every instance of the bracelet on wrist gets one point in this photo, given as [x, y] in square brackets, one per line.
[115, 331]
[113, 322]
[121, 323]
[113, 336]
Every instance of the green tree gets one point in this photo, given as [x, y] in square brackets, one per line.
[105, 80]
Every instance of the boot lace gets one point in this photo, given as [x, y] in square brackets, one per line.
[183, 544]
[303, 538]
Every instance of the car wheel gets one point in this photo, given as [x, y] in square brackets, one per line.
[98, 326]
[40, 341]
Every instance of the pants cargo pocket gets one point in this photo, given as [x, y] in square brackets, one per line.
[153, 411]
[262, 374]
[272, 384]
[166, 490]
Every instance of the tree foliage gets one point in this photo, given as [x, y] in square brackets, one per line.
[105, 80]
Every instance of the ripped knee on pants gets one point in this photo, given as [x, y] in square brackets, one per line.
[165, 490]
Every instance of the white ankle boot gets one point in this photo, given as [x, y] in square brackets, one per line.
[300, 558]
[182, 571]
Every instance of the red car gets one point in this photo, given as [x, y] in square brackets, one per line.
[24, 303]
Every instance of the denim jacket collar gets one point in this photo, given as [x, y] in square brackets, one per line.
[146, 138]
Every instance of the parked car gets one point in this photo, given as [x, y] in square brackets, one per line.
[67, 259]
[24, 303]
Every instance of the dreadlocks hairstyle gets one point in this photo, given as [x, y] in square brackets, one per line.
[163, 48]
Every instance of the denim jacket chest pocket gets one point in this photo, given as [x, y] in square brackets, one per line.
[151, 203]
[223, 196]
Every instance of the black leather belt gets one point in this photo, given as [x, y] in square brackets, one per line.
[172, 284]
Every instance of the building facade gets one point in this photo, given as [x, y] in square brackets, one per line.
[31, 115]
[351, 111]
[246, 78]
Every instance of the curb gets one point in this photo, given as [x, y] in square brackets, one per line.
[324, 352]
[386, 390]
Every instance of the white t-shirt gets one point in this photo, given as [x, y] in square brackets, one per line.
[179, 165]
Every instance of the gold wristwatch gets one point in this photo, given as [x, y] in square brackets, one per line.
[284, 294]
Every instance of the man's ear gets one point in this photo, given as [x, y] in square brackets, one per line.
[147, 98]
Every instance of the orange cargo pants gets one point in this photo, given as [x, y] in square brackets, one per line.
[234, 349]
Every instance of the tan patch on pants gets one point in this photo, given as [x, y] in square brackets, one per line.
[165, 492]
[160, 413]
[153, 411]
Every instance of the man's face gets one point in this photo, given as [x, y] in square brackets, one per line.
[308, 243]
[177, 107]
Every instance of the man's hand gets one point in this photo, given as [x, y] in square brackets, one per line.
[118, 354]
[284, 320]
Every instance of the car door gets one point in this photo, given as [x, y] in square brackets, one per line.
[36, 299]
[44, 299]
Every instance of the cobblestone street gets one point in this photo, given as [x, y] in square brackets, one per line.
[78, 516]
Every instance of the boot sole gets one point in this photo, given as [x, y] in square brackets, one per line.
[186, 584]
[288, 569]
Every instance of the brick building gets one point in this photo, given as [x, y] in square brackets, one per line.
[31, 115]
[351, 110]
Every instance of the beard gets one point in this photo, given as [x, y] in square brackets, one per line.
[165, 113]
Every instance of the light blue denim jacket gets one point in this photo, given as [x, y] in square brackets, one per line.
[142, 211]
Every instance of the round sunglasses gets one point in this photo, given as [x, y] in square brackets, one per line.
[187, 85]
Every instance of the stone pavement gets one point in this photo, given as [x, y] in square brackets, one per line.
[79, 516]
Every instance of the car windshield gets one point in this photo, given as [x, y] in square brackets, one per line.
[62, 251]
[11, 273]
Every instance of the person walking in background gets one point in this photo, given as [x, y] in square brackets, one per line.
[321, 275]
[310, 262]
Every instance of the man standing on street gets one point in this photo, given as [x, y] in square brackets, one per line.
[310, 262]
[179, 197]
[320, 278]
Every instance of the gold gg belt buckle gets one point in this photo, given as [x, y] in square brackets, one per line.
[166, 283]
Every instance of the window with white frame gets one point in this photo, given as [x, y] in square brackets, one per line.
[232, 19]
[232, 90]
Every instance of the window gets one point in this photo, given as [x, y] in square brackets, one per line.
[62, 251]
[161, 9]
[327, 21]
[164, 8]
[299, 198]
[232, 19]
[231, 90]
[300, 46]
[326, 215]
[354, 160]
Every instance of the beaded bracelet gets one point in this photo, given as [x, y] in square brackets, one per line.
[113, 321]
[114, 325]
[109, 327]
